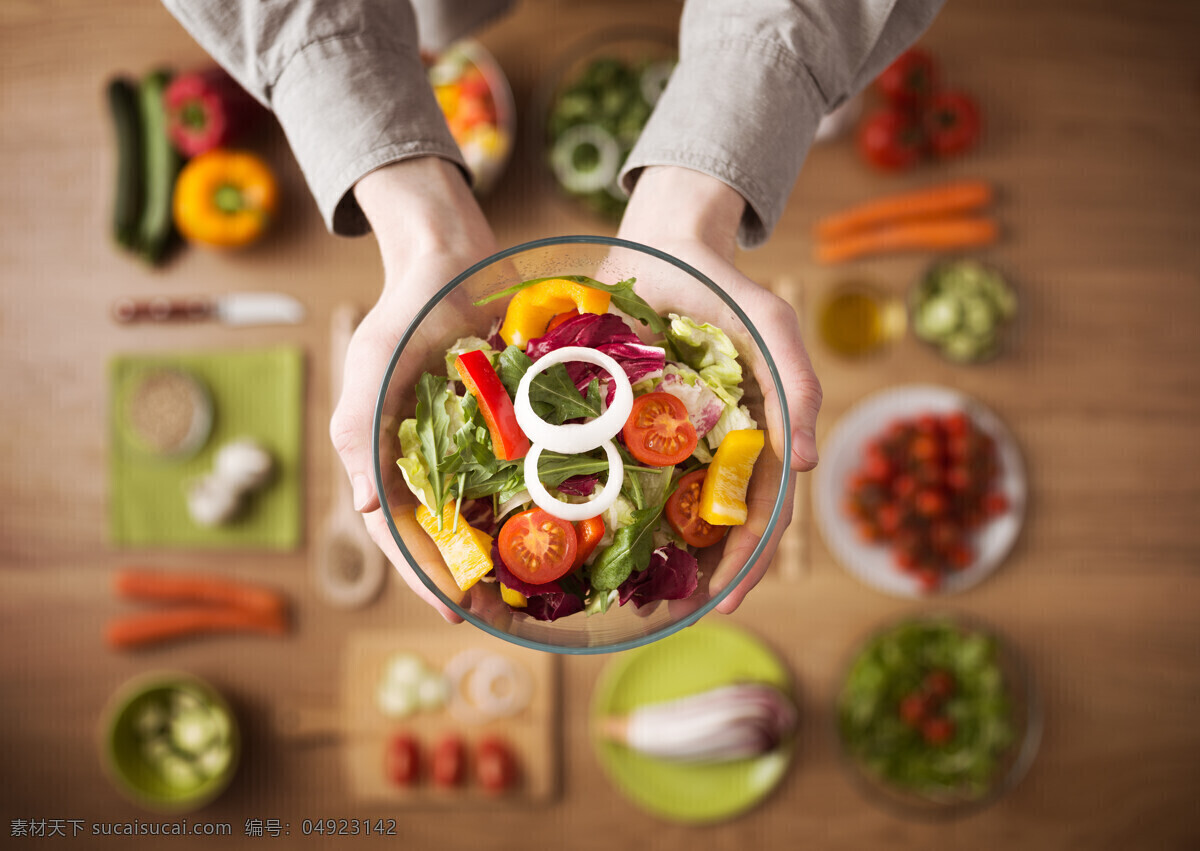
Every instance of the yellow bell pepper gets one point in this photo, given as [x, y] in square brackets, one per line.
[723, 494]
[514, 598]
[466, 550]
[225, 198]
[531, 309]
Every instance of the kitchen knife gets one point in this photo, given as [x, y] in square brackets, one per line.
[233, 309]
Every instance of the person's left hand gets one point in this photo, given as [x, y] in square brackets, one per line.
[694, 217]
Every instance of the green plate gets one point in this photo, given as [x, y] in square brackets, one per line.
[697, 659]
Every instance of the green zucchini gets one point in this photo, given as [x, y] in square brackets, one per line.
[127, 122]
[160, 166]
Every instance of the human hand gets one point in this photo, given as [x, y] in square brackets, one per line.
[429, 228]
[695, 218]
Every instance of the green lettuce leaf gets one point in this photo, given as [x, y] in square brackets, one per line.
[708, 350]
[412, 464]
[631, 549]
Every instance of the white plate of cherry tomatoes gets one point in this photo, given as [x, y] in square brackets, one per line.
[921, 490]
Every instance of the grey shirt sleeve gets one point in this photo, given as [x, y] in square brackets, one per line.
[755, 78]
[344, 78]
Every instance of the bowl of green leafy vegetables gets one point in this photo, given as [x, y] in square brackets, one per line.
[937, 717]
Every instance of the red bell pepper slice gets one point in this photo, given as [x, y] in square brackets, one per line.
[508, 441]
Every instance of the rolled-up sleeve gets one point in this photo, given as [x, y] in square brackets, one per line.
[344, 78]
[754, 80]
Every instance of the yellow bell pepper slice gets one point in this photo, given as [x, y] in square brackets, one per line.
[531, 309]
[466, 550]
[514, 598]
[723, 494]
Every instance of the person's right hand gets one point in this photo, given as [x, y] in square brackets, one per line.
[429, 228]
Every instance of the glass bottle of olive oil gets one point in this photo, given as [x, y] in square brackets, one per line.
[856, 319]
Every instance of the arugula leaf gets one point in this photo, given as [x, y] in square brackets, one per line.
[631, 549]
[552, 394]
[623, 297]
[433, 434]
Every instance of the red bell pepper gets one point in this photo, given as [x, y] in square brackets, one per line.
[206, 110]
[508, 441]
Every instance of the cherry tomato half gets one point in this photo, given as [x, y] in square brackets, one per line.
[537, 546]
[402, 760]
[449, 762]
[658, 432]
[683, 512]
[495, 765]
[588, 534]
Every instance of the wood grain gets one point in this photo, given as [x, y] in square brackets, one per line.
[1093, 126]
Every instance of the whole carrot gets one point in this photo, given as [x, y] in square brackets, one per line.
[943, 200]
[149, 628]
[935, 235]
[160, 586]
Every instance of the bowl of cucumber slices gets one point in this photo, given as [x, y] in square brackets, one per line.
[170, 741]
[595, 104]
[963, 308]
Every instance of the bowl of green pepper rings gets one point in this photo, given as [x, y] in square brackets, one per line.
[594, 105]
[647, 284]
[937, 716]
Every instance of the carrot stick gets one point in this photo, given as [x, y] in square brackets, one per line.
[942, 200]
[130, 632]
[157, 586]
[937, 234]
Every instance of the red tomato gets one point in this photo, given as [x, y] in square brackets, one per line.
[995, 504]
[937, 731]
[910, 79]
[683, 512]
[588, 534]
[449, 762]
[495, 765]
[938, 683]
[932, 503]
[912, 709]
[537, 546]
[658, 432]
[929, 578]
[952, 123]
[402, 760]
[891, 141]
[890, 517]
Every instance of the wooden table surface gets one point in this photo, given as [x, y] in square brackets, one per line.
[1093, 137]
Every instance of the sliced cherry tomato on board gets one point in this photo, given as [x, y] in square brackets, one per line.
[891, 140]
[402, 760]
[588, 534]
[495, 765]
[683, 512]
[952, 123]
[449, 762]
[508, 441]
[537, 546]
[910, 80]
[658, 432]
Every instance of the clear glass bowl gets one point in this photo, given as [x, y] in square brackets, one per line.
[668, 285]
[1012, 763]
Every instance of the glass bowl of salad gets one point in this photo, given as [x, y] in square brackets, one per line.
[937, 716]
[594, 106]
[567, 437]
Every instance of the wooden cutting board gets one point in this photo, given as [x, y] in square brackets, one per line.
[532, 733]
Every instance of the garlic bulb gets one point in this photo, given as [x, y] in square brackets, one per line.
[244, 463]
[731, 722]
[211, 500]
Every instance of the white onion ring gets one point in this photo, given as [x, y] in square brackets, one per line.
[473, 674]
[573, 511]
[573, 438]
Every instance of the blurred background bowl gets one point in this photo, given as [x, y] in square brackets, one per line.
[667, 284]
[1010, 763]
[593, 103]
[128, 742]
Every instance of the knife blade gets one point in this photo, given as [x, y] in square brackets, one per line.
[236, 309]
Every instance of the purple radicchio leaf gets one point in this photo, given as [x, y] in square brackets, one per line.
[671, 575]
[607, 333]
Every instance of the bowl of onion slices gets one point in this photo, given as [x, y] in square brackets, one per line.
[569, 438]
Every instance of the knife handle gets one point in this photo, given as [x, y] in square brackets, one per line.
[127, 310]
